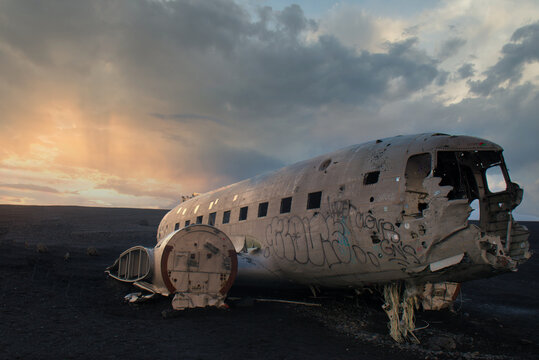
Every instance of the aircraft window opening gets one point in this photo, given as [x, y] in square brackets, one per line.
[495, 180]
[243, 213]
[456, 168]
[371, 178]
[211, 218]
[263, 209]
[226, 217]
[199, 219]
[176, 226]
[314, 200]
[286, 205]
[187, 223]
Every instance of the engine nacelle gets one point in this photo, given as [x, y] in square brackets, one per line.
[198, 264]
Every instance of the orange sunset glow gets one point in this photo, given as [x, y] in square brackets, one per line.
[65, 157]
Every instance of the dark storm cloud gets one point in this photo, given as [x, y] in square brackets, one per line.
[41, 28]
[292, 20]
[450, 47]
[442, 77]
[283, 75]
[38, 29]
[209, 57]
[523, 49]
[466, 70]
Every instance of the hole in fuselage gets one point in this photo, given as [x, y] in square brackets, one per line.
[418, 168]
[475, 214]
[324, 165]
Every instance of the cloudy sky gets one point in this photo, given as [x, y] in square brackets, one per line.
[135, 102]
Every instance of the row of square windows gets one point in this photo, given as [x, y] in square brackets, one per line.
[313, 202]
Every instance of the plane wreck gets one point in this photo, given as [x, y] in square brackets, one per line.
[391, 214]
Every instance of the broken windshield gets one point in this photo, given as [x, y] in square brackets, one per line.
[458, 169]
[495, 179]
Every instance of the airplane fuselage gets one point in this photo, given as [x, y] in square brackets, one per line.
[386, 210]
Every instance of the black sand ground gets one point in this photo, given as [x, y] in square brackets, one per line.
[52, 308]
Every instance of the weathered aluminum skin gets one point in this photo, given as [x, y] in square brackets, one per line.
[197, 264]
[403, 226]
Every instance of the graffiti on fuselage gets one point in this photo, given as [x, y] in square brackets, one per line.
[337, 234]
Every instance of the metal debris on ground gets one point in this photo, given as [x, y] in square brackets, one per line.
[137, 297]
[92, 251]
[401, 312]
[439, 295]
[42, 248]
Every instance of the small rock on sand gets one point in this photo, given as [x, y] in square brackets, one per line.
[42, 248]
[92, 251]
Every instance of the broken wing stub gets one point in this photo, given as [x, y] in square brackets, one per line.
[197, 264]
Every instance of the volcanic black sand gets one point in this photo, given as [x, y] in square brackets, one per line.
[57, 305]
